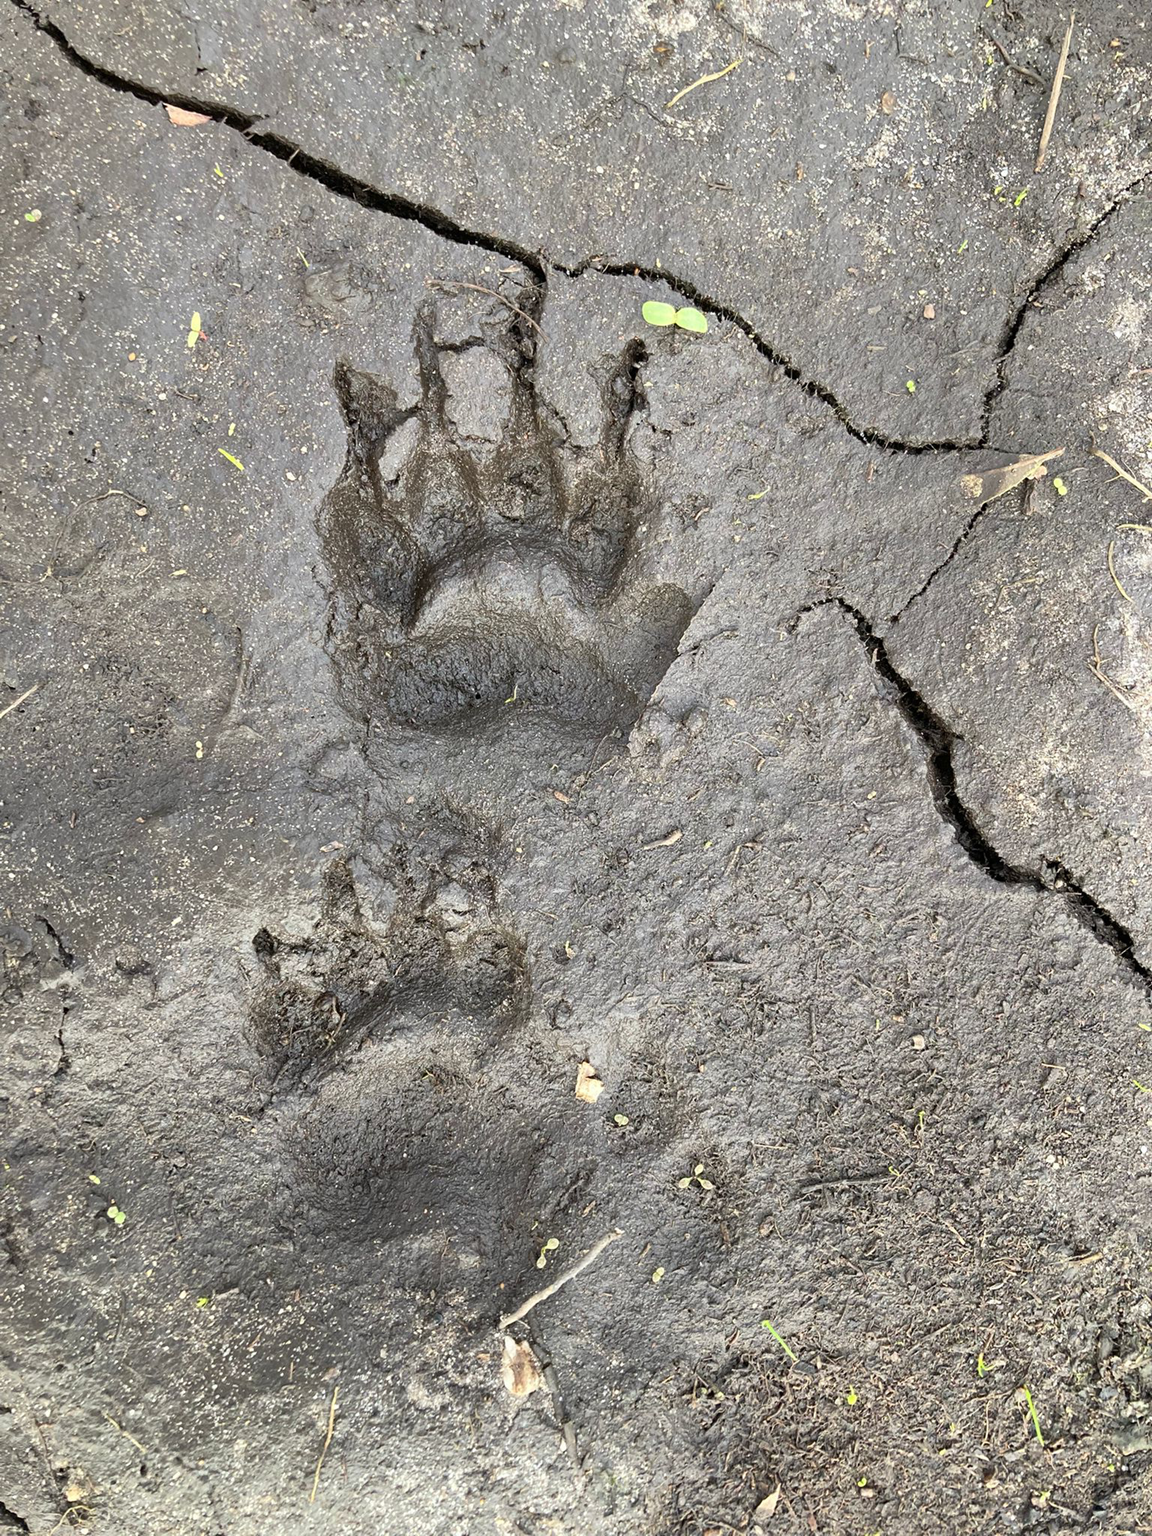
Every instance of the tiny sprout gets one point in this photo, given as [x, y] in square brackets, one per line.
[620, 1119]
[861, 1482]
[981, 1367]
[114, 1213]
[658, 1274]
[910, 386]
[656, 312]
[33, 216]
[962, 247]
[202, 1301]
[93, 1178]
[1058, 486]
[549, 1247]
[784, 1345]
[695, 1178]
[851, 1398]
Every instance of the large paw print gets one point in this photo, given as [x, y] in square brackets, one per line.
[480, 566]
[375, 1042]
[445, 971]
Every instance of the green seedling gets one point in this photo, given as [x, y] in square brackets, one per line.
[657, 313]
[695, 1178]
[658, 1274]
[1058, 486]
[231, 458]
[620, 1119]
[33, 216]
[910, 386]
[114, 1213]
[1033, 1415]
[202, 1301]
[550, 1246]
[784, 1345]
[851, 1397]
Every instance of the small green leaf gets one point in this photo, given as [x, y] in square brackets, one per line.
[658, 1274]
[1058, 486]
[230, 458]
[910, 386]
[786, 1347]
[657, 313]
[692, 320]
[620, 1119]
[114, 1213]
[33, 216]
[202, 1301]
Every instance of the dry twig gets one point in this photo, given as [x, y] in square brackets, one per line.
[16, 703]
[439, 282]
[327, 1443]
[703, 80]
[1054, 99]
[1098, 453]
[561, 1279]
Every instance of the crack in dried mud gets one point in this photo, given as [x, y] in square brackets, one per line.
[937, 741]
[353, 188]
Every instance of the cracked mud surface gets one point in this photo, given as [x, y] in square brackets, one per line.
[547, 688]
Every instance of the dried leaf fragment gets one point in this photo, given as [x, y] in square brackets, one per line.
[589, 1087]
[518, 1368]
[995, 482]
[185, 119]
[887, 102]
[767, 1506]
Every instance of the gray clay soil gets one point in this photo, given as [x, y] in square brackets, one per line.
[443, 678]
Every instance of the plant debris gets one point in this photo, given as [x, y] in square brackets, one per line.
[589, 1086]
[1054, 99]
[663, 842]
[996, 482]
[1098, 453]
[327, 1443]
[561, 1279]
[183, 118]
[519, 1370]
[703, 80]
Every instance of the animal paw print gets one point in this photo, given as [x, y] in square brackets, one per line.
[446, 969]
[480, 566]
[376, 1043]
